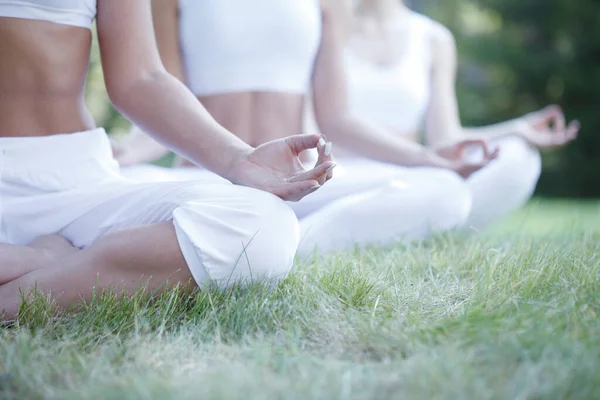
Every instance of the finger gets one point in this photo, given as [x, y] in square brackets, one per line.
[299, 143]
[314, 174]
[572, 130]
[306, 192]
[321, 179]
[475, 143]
[554, 115]
[296, 190]
[324, 151]
[471, 168]
[324, 148]
[493, 154]
[326, 176]
[566, 136]
[477, 166]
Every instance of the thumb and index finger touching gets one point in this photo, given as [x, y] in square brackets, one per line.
[465, 166]
[488, 154]
[323, 169]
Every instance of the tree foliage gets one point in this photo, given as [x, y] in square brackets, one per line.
[517, 56]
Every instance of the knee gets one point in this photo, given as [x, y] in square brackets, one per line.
[434, 200]
[505, 184]
[248, 236]
[519, 164]
[449, 201]
[272, 246]
[514, 174]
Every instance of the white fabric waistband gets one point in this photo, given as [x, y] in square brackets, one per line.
[41, 152]
[81, 16]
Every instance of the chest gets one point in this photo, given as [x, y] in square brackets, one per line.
[380, 45]
[258, 26]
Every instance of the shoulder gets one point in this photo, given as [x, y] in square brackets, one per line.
[336, 15]
[441, 38]
[335, 8]
[438, 39]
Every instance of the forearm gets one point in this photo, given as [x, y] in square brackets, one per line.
[373, 142]
[495, 131]
[164, 108]
[440, 137]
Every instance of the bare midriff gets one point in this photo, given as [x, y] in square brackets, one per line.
[43, 67]
[257, 117]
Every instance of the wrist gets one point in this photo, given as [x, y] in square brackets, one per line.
[444, 163]
[237, 157]
[434, 159]
[520, 125]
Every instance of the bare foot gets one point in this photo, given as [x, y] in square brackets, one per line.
[54, 246]
[16, 261]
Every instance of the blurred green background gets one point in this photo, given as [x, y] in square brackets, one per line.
[515, 56]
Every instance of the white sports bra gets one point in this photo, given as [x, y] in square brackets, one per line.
[394, 96]
[247, 46]
[68, 12]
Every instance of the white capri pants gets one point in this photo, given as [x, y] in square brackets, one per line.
[368, 202]
[70, 185]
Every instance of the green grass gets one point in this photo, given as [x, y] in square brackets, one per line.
[509, 314]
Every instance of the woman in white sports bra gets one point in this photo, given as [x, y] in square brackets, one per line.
[254, 65]
[59, 182]
[401, 69]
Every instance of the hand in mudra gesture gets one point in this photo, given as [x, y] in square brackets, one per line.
[275, 167]
[458, 156]
[547, 128]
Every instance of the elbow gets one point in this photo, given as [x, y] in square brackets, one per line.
[116, 90]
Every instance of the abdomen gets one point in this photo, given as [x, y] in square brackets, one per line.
[42, 76]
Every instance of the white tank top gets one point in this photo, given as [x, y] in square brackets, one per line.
[395, 96]
[248, 46]
[68, 12]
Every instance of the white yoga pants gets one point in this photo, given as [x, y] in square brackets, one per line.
[369, 202]
[70, 185]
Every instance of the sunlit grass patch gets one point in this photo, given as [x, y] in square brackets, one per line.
[510, 313]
